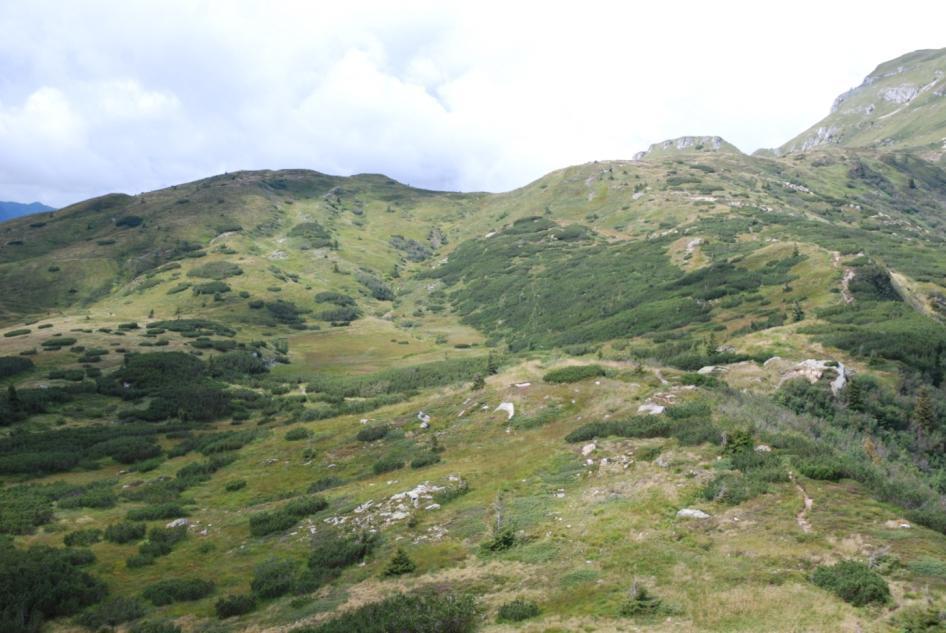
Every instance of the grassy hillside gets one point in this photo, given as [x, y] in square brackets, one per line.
[695, 391]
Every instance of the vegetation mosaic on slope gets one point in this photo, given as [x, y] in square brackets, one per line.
[696, 391]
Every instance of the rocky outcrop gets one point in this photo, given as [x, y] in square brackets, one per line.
[688, 143]
[904, 93]
[814, 370]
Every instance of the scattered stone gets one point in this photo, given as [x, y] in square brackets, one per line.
[692, 513]
[423, 417]
[178, 523]
[763, 448]
[522, 385]
[508, 407]
[711, 369]
[651, 408]
[588, 449]
[894, 524]
[421, 491]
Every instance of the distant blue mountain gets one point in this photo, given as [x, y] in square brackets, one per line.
[10, 210]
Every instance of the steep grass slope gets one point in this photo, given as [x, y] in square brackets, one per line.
[900, 105]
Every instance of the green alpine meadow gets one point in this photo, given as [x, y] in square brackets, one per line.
[693, 390]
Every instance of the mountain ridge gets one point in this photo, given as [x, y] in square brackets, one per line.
[9, 210]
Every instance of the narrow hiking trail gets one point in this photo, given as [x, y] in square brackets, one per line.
[845, 285]
[807, 504]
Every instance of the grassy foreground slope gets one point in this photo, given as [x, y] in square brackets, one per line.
[695, 391]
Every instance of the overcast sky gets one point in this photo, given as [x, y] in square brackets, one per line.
[131, 96]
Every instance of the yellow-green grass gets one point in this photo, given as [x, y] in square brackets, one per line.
[589, 531]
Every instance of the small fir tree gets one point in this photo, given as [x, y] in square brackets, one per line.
[400, 564]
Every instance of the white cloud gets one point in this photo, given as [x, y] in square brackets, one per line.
[126, 99]
[109, 95]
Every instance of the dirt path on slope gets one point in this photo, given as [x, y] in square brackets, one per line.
[845, 285]
[807, 504]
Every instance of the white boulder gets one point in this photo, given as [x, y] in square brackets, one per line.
[692, 513]
[508, 407]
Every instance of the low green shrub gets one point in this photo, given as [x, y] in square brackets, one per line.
[574, 373]
[333, 550]
[297, 434]
[155, 626]
[112, 612]
[90, 497]
[233, 486]
[324, 484]
[82, 538]
[687, 430]
[442, 612]
[234, 605]
[426, 459]
[826, 470]
[264, 523]
[273, 578]
[136, 561]
[334, 298]
[210, 288]
[517, 611]
[853, 582]
[304, 506]
[733, 488]
[129, 221]
[156, 512]
[216, 270]
[387, 464]
[161, 540]
[928, 566]
[373, 433]
[125, 532]
[449, 493]
[173, 590]
[12, 365]
[41, 582]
